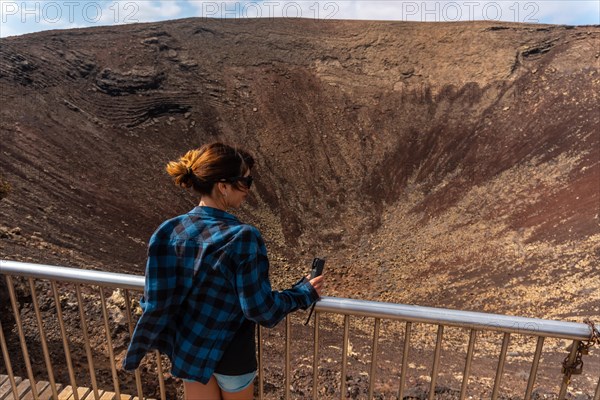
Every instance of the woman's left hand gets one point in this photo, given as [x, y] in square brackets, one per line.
[317, 283]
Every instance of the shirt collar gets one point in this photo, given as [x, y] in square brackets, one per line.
[213, 212]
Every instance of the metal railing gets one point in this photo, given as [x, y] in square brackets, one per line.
[409, 315]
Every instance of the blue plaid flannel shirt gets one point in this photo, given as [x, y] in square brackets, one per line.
[206, 272]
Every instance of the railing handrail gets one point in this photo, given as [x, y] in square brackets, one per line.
[404, 312]
[74, 275]
[457, 318]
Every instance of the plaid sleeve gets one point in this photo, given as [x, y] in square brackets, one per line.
[258, 301]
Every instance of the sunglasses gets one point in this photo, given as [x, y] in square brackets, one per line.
[245, 180]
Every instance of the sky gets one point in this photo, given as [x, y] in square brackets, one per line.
[20, 17]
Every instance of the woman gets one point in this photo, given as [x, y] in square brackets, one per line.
[207, 282]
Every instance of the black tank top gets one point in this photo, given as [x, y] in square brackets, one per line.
[239, 357]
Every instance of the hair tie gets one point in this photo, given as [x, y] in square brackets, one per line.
[189, 171]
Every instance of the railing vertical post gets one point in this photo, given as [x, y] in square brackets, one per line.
[436, 361]
[111, 354]
[7, 363]
[65, 340]
[534, 367]
[404, 359]
[344, 357]
[316, 356]
[467, 372]
[567, 375]
[260, 363]
[13, 301]
[43, 340]
[288, 377]
[88, 349]
[138, 377]
[374, 358]
[161, 377]
[500, 369]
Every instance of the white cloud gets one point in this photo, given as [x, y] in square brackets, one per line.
[227, 8]
[147, 11]
[569, 12]
[20, 17]
[545, 11]
[541, 11]
[6, 30]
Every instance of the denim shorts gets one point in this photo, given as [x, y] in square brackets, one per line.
[233, 383]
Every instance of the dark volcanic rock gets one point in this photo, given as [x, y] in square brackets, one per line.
[118, 83]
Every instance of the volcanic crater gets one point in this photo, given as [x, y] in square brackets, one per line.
[452, 164]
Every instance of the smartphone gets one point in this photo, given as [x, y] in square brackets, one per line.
[317, 267]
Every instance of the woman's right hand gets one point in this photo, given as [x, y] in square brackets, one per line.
[317, 283]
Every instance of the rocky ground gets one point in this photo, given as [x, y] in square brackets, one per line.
[455, 166]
